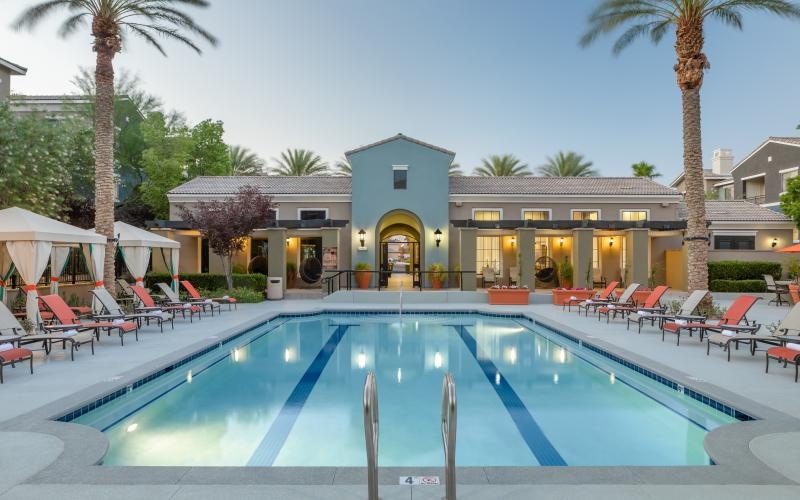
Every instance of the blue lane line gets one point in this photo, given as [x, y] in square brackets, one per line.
[540, 446]
[273, 441]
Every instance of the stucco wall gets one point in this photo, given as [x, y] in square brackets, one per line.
[562, 210]
[783, 157]
[5, 83]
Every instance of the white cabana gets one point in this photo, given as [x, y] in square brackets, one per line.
[29, 240]
[136, 245]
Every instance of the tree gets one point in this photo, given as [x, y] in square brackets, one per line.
[299, 162]
[569, 164]
[210, 154]
[343, 168]
[169, 150]
[455, 170]
[227, 224]
[244, 162]
[111, 20]
[790, 200]
[654, 18]
[502, 166]
[644, 169]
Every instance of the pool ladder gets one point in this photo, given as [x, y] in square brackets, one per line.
[449, 413]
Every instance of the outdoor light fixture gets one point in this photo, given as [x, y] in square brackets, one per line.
[774, 242]
[513, 241]
[611, 241]
[287, 241]
[437, 235]
[362, 238]
[561, 242]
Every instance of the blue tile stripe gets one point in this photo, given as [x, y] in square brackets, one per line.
[276, 436]
[540, 446]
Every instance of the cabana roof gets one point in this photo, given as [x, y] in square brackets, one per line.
[18, 224]
[131, 236]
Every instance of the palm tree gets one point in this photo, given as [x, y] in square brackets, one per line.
[343, 167]
[654, 18]
[455, 170]
[299, 162]
[569, 164]
[644, 169]
[245, 162]
[502, 166]
[111, 21]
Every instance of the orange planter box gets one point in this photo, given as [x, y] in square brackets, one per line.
[508, 296]
[561, 296]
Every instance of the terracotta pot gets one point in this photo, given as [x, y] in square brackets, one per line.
[363, 279]
[437, 284]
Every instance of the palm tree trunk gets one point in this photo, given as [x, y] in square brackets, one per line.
[697, 233]
[104, 158]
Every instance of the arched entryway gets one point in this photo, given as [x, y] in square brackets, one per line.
[399, 254]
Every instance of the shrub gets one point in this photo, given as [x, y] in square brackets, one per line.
[206, 281]
[363, 266]
[242, 295]
[742, 270]
[741, 286]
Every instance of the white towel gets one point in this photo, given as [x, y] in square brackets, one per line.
[157, 312]
[225, 297]
[69, 333]
[6, 347]
[790, 345]
[642, 313]
[208, 301]
[589, 301]
[187, 306]
[612, 306]
[729, 333]
[681, 322]
[118, 321]
[573, 297]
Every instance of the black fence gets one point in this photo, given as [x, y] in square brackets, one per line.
[76, 271]
[348, 279]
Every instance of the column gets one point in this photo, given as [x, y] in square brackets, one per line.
[469, 254]
[276, 249]
[582, 249]
[330, 240]
[638, 255]
[526, 256]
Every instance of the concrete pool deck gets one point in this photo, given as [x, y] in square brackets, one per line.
[40, 458]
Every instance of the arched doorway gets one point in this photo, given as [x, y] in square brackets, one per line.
[399, 255]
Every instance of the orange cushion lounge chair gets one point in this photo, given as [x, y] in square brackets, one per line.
[794, 294]
[651, 304]
[625, 302]
[607, 295]
[10, 325]
[148, 304]
[68, 321]
[685, 312]
[731, 320]
[112, 311]
[79, 310]
[13, 356]
[195, 295]
[785, 332]
[783, 354]
[173, 298]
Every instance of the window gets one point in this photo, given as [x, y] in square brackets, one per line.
[489, 254]
[786, 176]
[542, 214]
[541, 246]
[487, 214]
[726, 192]
[585, 214]
[400, 176]
[734, 242]
[596, 253]
[634, 215]
[312, 213]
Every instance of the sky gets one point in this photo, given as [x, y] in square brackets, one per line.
[478, 77]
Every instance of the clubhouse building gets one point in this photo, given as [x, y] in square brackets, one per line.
[401, 213]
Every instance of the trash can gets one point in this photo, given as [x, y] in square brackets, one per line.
[274, 288]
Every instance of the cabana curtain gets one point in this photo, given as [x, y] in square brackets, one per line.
[136, 260]
[31, 259]
[58, 262]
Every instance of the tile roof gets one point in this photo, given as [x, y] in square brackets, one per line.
[267, 184]
[15, 69]
[788, 140]
[611, 186]
[708, 174]
[396, 137]
[741, 211]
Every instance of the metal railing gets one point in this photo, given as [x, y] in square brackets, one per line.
[449, 414]
[758, 199]
[345, 279]
[371, 434]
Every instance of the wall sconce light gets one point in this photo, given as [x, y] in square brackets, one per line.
[437, 235]
[611, 241]
[774, 242]
[288, 240]
[561, 242]
[362, 238]
[513, 241]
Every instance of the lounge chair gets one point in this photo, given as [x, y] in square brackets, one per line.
[786, 354]
[68, 321]
[147, 304]
[174, 298]
[794, 293]
[606, 295]
[625, 302]
[736, 336]
[113, 311]
[18, 336]
[731, 320]
[685, 312]
[12, 356]
[778, 290]
[652, 304]
[195, 295]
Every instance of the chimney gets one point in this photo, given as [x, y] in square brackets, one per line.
[722, 161]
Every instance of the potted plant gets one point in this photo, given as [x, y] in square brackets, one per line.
[291, 274]
[436, 271]
[363, 276]
[565, 273]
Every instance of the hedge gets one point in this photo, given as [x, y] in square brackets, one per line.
[254, 281]
[741, 286]
[742, 270]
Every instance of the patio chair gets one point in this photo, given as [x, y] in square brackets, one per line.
[125, 288]
[513, 275]
[728, 335]
[685, 312]
[786, 354]
[625, 303]
[778, 290]
[195, 295]
[203, 303]
[113, 311]
[147, 304]
[732, 318]
[68, 321]
[488, 276]
[10, 355]
[794, 293]
[652, 304]
[606, 295]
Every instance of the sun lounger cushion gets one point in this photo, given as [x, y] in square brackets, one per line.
[783, 353]
[15, 354]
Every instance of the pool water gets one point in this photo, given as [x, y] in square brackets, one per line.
[289, 393]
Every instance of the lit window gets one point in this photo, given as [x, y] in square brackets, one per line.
[489, 254]
[479, 214]
[535, 215]
[596, 253]
[585, 215]
[633, 215]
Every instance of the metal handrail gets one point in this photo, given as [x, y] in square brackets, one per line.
[449, 413]
[371, 434]
[422, 279]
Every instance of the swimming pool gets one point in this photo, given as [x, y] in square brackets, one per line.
[288, 393]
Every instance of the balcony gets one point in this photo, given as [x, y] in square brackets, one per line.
[758, 199]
